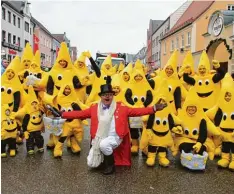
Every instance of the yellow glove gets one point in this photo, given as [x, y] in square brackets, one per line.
[26, 135]
[216, 64]
[197, 147]
[87, 54]
[85, 122]
[177, 130]
[3, 134]
[187, 69]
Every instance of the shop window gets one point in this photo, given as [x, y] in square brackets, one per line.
[18, 22]
[9, 37]
[14, 19]
[3, 35]
[26, 26]
[14, 39]
[9, 16]
[230, 7]
[3, 13]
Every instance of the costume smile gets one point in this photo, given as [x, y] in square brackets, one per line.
[160, 133]
[227, 130]
[10, 104]
[11, 130]
[204, 95]
[58, 88]
[37, 123]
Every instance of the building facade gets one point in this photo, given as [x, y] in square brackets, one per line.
[163, 29]
[45, 42]
[73, 53]
[193, 31]
[55, 49]
[12, 30]
[63, 38]
[141, 55]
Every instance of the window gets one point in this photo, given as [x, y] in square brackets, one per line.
[14, 39]
[9, 37]
[18, 22]
[30, 30]
[25, 42]
[3, 13]
[165, 48]
[9, 16]
[26, 26]
[177, 42]
[9, 58]
[19, 41]
[189, 38]
[231, 7]
[182, 41]
[3, 35]
[14, 19]
[172, 45]
[156, 56]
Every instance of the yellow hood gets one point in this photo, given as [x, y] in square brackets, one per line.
[162, 92]
[63, 54]
[27, 54]
[108, 62]
[173, 63]
[6, 112]
[121, 67]
[62, 99]
[188, 61]
[115, 80]
[204, 60]
[36, 62]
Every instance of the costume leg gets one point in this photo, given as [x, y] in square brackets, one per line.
[225, 156]
[162, 157]
[30, 143]
[12, 146]
[51, 143]
[135, 142]
[19, 136]
[231, 165]
[3, 148]
[74, 145]
[217, 142]
[39, 140]
[151, 155]
[78, 133]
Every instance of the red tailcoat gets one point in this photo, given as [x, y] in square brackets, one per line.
[122, 154]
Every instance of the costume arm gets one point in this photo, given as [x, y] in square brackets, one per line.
[128, 96]
[149, 98]
[202, 132]
[95, 67]
[76, 82]
[135, 112]
[25, 122]
[211, 112]
[189, 80]
[151, 83]
[16, 101]
[50, 86]
[177, 97]
[83, 114]
[219, 75]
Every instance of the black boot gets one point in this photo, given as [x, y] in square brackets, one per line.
[109, 164]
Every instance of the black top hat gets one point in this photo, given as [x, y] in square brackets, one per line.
[106, 88]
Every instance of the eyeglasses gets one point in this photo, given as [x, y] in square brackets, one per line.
[107, 94]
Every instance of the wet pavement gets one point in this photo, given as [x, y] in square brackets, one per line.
[44, 174]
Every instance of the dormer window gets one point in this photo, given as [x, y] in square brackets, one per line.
[230, 7]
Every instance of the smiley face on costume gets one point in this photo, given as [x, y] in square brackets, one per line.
[7, 95]
[36, 118]
[9, 125]
[204, 87]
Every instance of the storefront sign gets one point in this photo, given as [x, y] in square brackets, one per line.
[217, 26]
[12, 52]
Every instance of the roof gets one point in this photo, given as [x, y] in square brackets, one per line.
[41, 26]
[194, 11]
[73, 47]
[16, 5]
[59, 37]
[155, 25]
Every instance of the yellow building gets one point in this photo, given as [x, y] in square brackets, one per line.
[205, 25]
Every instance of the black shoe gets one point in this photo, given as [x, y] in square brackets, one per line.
[109, 164]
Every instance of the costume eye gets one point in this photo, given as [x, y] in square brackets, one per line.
[35, 74]
[63, 109]
[30, 73]
[34, 117]
[158, 121]
[224, 116]
[9, 90]
[207, 82]
[39, 116]
[135, 98]
[186, 131]
[60, 77]
[164, 122]
[169, 88]
[232, 115]
[8, 123]
[142, 99]
[195, 131]
[12, 122]
[69, 109]
[2, 89]
[105, 77]
[200, 82]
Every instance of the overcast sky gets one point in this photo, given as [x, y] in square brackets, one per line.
[102, 26]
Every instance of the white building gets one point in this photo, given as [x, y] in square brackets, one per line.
[14, 23]
[163, 29]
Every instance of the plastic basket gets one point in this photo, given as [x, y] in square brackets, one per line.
[54, 125]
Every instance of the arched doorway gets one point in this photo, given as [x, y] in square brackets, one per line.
[218, 49]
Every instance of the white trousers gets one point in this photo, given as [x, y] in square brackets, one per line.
[108, 144]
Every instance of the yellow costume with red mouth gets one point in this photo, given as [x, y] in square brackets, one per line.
[196, 128]
[176, 89]
[157, 136]
[8, 131]
[207, 85]
[223, 116]
[32, 122]
[66, 100]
